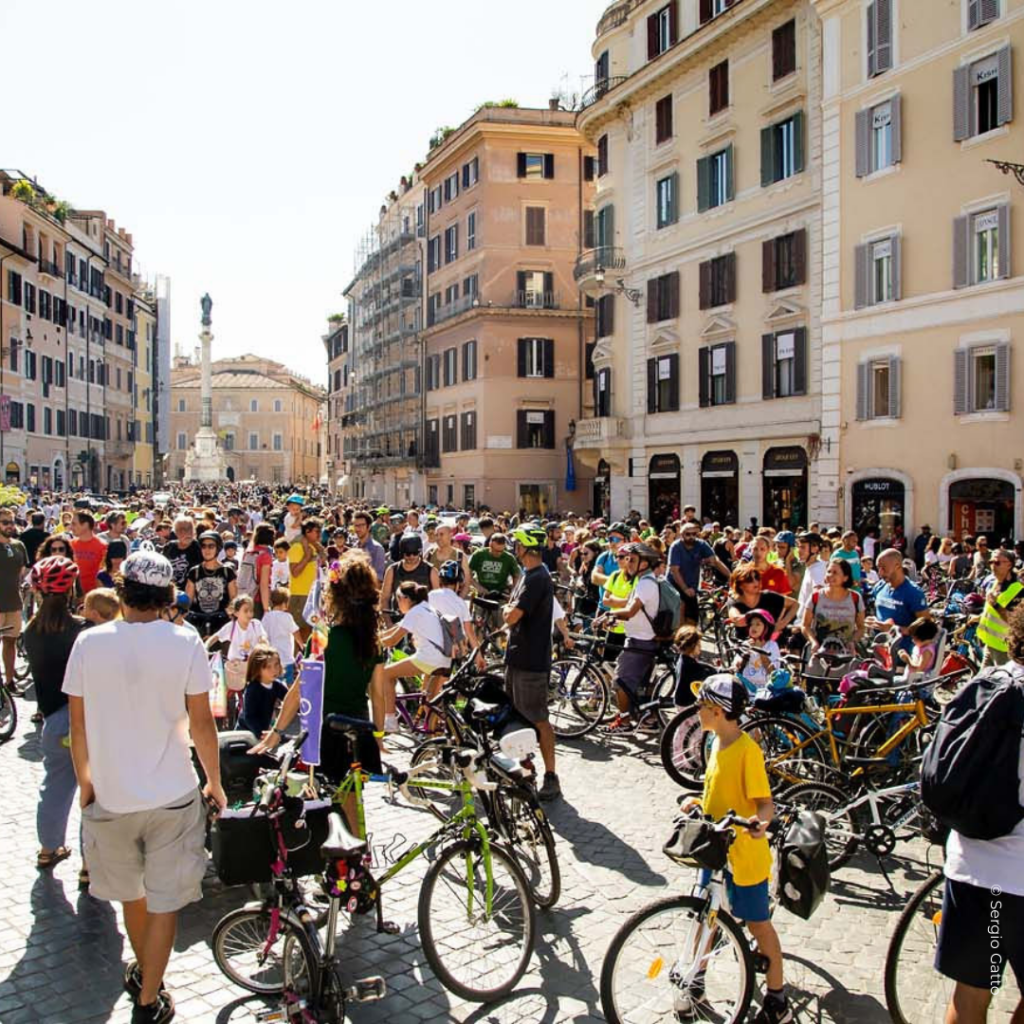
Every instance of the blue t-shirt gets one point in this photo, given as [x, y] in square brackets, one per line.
[607, 563]
[901, 605]
[690, 560]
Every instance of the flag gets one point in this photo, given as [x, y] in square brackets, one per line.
[570, 470]
[311, 707]
[317, 420]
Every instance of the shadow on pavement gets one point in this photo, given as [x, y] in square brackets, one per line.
[833, 1001]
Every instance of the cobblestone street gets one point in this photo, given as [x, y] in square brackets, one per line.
[61, 951]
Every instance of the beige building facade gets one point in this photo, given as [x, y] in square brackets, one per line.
[506, 332]
[336, 345]
[267, 418]
[923, 295]
[706, 260]
[144, 430]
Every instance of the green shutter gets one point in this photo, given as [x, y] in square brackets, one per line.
[673, 213]
[730, 156]
[703, 183]
[767, 156]
[798, 141]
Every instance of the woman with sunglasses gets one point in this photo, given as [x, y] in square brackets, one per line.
[747, 594]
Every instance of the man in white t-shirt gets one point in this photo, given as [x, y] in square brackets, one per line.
[809, 552]
[136, 689]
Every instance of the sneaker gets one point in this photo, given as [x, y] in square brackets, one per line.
[550, 788]
[620, 723]
[391, 723]
[774, 1011]
[159, 1012]
[133, 982]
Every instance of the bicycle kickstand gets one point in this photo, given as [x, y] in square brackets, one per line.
[885, 875]
[385, 927]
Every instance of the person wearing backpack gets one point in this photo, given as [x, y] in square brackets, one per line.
[685, 558]
[255, 567]
[972, 780]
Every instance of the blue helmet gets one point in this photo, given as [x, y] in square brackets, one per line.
[785, 537]
[451, 572]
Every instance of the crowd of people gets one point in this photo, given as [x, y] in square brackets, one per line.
[122, 605]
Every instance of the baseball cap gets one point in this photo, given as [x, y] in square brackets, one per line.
[295, 499]
[722, 689]
[149, 568]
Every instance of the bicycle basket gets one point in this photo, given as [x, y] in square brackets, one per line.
[695, 842]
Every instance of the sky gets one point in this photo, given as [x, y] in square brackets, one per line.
[247, 146]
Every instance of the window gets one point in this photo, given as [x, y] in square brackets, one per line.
[717, 372]
[718, 88]
[601, 72]
[663, 297]
[14, 287]
[663, 384]
[182, 440]
[535, 225]
[229, 441]
[535, 166]
[604, 227]
[451, 187]
[469, 495]
[254, 442]
[981, 247]
[449, 435]
[535, 289]
[602, 156]
[277, 401]
[981, 12]
[784, 261]
[784, 364]
[434, 199]
[254, 405]
[471, 232]
[983, 95]
[879, 142]
[471, 173]
[451, 367]
[713, 8]
[535, 428]
[278, 443]
[603, 392]
[878, 272]
[47, 420]
[666, 203]
[433, 304]
[782, 149]
[181, 405]
[535, 357]
[468, 430]
[30, 298]
[878, 389]
[451, 293]
[433, 254]
[662, 31]
[433, 372]
[471, 285]
[451, 243]
[604, 316]
[718, 281]
[589, 168]
[663, 119]
[715, 179]
[982, 379]
[469, 360]
[784, 50]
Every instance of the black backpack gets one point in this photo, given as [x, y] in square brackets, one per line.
[970, 777]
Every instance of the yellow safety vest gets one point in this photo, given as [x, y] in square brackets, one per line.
[618, 585]
[992, 630]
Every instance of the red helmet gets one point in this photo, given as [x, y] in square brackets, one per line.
[53, 575]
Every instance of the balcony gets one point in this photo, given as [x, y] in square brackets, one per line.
[599, 431]
[592, 266]
[596, 91]
[49, 267]
[460, 305]
[615, 16]
[537, 300]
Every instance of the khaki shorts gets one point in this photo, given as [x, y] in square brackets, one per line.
[156, 854]
[10, 624]
[297, 605]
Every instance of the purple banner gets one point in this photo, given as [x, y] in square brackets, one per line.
[311, 707]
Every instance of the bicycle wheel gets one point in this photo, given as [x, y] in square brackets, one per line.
[577, 698]
[527, 832]
[791, 752]
[241, 950]
[443, 803]
[8, 714]
[478, 955]
[901, 765]
[663, 687]
[681, 752]
[841, 828]
[651, 964]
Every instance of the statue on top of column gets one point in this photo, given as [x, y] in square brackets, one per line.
[207, 303]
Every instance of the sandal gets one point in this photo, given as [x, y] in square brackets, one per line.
[37, 718]
[46, 861]
[83, 880]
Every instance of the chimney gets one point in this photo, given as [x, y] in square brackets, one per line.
[554, 103]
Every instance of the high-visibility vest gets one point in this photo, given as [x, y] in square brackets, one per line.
[619, 585]
[992, 630]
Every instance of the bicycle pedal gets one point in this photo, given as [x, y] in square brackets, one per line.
[389, 928]
[367, 990]
[761, 963]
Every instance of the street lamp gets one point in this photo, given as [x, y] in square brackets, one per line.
[1017, 170]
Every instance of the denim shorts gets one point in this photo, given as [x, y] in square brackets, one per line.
[746, 902]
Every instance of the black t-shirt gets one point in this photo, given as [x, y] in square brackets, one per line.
[769, 601]
[47, 655]
[258, 705]
[32, 538]
[550, 557]
[529, 642]
[211, 588]
[182, 560]
[721, 550]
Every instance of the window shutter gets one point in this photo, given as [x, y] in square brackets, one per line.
[588, 229]
[588, 168]
[520, 165]
[673, 383]
[872, 45]
[521, 283]
[521, 357]
[549, 357]
[1004, 104]
[896, 128]
[703, 376]
[800, 255]
[800, 361]
[896, 267]
[730, 164]
[895, 389]
[705, 11]
[703, 183]
[768, 266]
[673, 23]
[705, 285]
[1003, 377]
[730, 277]
[730, 371]
[549, 165]
[549, 290]
[673, 213]
[1004, 241]
[652, 301]
[960, 382]
[549, 428]
[962, 108]
[863, 143]
[767, 156]
[988, 11]
[652, 36]
[652, 385]
[862, 276]
[863, 390]
[767, 366]
[672, 283]
[798, 141]
[883, 35]
[520, 428]
[973, 13]
[961, 250]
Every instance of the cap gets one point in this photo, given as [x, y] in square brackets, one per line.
[397, 517]
[722, 689]
[149, 568]
[295, 499]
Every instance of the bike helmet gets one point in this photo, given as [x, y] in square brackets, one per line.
[530, 536]
[410, 544]
[53, 575]
[786, 537]
[766, 617]
[650, 555]
[974, 604]
[451, 572]
[211, 535]
[621, 529]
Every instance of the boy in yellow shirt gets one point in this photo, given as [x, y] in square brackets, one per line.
[736, 781]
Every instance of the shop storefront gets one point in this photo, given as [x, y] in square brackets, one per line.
[13, 473]
[534, 499]
[879, 504]
[663, 489]
[719, 488]
[784, 488]
[982, 505]
[602, 501]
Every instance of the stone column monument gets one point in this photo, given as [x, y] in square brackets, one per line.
[205, 460]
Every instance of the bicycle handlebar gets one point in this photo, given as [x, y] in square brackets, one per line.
[286, 758]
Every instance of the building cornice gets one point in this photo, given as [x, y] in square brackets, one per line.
[506, 312]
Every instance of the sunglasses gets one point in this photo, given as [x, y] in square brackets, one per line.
[208, 544]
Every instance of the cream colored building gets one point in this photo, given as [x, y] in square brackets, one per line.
[267, 418]
[143, 432]
[923, 300]
[706, 258]
[336, 344]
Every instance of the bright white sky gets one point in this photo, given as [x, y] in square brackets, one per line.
[247, 144]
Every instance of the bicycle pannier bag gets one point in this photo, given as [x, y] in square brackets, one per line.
[803, 874]
[695, 842]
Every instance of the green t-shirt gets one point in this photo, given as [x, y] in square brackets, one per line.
[346, 680]
[381, 534]
[493, 573]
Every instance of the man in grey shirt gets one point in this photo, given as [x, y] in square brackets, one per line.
[361, 524]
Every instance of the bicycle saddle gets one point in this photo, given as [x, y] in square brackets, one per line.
[349, 725]
[340, 842]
